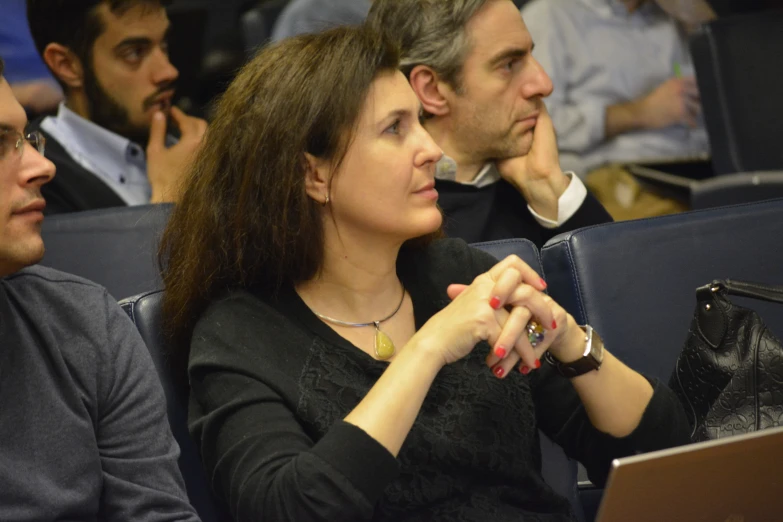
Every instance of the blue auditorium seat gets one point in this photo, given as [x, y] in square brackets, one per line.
[635, 281]
[145, 311]
[114, 247]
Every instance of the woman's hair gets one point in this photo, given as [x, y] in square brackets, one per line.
[245, 219]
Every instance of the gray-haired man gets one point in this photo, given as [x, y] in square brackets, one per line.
[470, 63]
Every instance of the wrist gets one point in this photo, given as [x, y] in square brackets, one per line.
[639, 113]
[425, 354]
[543, 195]
[572, 346]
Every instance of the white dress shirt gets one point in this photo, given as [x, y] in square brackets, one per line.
[119, 162]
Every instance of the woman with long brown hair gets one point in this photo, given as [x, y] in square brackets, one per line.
[346, 364]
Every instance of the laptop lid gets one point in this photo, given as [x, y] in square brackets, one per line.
[737, 479]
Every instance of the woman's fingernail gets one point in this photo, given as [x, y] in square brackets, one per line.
[554, 325]
[543, 283]
[525, 370]
[501, 352]
[494, 302]
[499, 372]
[538, 364]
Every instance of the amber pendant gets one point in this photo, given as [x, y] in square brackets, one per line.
[384, 347]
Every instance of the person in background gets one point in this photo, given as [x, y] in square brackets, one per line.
[624, 87]
[82, 414]
[624, 91]
[111, 58]
[344, 363]
[312, 16]
[30, 80]
[482, 93]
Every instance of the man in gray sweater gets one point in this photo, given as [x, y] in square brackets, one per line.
[83, 428]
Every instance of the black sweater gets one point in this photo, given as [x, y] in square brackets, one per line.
[271, 383]
[498, 211]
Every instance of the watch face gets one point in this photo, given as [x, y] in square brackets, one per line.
[597, 348]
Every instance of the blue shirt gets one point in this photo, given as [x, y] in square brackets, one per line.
[598, 55]
[119, 162]
[312, 16]
[22, 62]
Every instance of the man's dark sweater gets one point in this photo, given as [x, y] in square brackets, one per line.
[83, 428]
[498, 211]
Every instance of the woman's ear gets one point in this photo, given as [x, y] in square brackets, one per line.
[317, 178]
[64, 65]
[428, 87]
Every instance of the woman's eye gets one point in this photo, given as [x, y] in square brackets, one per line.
[394, 128]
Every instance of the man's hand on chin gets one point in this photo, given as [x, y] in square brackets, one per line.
[537, 175]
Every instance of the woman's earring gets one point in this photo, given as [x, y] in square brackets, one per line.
[326, 201]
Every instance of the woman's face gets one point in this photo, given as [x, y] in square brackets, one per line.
[385, 184]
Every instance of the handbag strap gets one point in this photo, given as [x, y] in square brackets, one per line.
[764, 292]
[711, 319]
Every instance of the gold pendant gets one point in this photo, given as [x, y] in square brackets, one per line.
[384, 347]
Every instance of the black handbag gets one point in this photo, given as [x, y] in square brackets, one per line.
[729, 376]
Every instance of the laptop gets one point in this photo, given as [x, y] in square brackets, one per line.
[736, 479]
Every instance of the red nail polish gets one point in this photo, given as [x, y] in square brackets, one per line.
[538, 364]
[494, 303]
[543, 283]
[501, 352]
[499, 372]
[525, 370]
[554, 325]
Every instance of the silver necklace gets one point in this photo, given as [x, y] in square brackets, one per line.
[384, 346]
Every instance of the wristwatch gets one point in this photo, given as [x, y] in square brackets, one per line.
[591, 359]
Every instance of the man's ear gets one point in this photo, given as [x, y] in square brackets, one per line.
[65, 65]
[317, 178]
[428, 87]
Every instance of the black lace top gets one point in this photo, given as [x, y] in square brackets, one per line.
[270, 385]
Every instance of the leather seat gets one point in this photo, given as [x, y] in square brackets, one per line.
[635, 281]
[146, 312]
[115, 247]
[735, 60]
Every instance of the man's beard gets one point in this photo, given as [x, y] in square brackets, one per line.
[106, 112]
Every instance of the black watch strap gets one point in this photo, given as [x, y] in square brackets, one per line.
[573, 369]
[590, 361]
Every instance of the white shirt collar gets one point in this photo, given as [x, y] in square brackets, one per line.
[446, 169]
[102, 149]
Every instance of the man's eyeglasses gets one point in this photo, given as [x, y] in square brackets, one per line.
[14, 140]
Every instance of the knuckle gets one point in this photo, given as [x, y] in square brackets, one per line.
[525, 292]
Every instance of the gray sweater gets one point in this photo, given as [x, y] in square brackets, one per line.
[83, 428]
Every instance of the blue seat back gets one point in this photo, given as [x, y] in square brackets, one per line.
[635, 281]
[146, 312]
[114, 247]
[559, 471]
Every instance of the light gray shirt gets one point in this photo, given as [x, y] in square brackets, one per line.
[119, 162]
[597, 55]
[312, 16]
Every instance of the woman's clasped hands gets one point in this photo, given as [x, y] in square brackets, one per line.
[506, 307]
